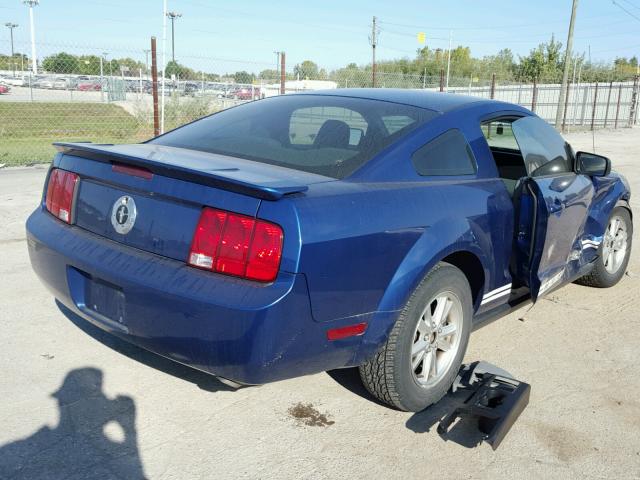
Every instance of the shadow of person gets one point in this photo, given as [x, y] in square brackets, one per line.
[95, 437]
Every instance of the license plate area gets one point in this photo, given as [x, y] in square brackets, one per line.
[106, 300]
[102, 302]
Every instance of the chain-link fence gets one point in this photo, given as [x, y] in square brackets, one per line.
[105, 95]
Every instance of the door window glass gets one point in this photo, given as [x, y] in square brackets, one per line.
[499, 134]
[545, 152]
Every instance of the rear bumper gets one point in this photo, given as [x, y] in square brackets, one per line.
[236, 329]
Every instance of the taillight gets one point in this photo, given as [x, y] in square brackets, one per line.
[236, 245]
[60, 193]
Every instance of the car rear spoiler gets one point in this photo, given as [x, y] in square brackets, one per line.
[217, 179]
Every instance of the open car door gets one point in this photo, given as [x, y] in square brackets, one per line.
[552, 209]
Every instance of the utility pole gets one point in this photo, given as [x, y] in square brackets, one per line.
[374, 42]
[34, 59]
[567, 66]
[173, 16]
[11, 26]
[449, 57]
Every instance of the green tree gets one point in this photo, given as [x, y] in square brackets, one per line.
[243, 77]
[544, 63]
[89, 65]
[306, 70]
[61, 63]
[9, 63]
[181, 72]
[269, 74]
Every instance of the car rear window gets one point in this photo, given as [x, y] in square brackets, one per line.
[323, 134]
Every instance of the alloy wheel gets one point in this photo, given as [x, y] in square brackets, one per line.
[436, 339]
[614, 245]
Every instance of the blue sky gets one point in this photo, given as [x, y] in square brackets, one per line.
[226, 36]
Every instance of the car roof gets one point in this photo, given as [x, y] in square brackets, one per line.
[418, 98]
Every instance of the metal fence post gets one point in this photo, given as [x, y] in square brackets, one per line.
[492, 93]
[574, 115]
[595, 104]
[615, 125]
[154, 88]
[442, 79]
[534, 96]
[583, 112]
[634, 101]
[606, 115]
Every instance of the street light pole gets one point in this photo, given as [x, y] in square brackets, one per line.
[11, 26]
[34, 59]
[173, 16]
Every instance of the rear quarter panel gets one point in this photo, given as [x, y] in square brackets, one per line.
[367, 241]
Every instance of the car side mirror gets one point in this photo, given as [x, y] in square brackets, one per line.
[592, 165]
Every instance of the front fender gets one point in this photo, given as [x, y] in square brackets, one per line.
[610, 191]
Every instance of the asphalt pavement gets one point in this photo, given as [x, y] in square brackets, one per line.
[76, 403]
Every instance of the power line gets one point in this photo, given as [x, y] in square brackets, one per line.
[617, 49]
[509, 39]
[625, 10]
[493, 27]
[631, 4]
[243, 14]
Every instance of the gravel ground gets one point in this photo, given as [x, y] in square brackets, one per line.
[77, 404]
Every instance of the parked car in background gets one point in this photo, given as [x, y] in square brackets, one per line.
[4, 88]
[14, 81]
[356, 227]
[40, 81]
[216, 90]
[245, 93]
[192, 88]
[52, 82]
[89, 86]
[61, 83]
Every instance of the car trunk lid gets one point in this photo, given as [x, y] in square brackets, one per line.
[169, 187]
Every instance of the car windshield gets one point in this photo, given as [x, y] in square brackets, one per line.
[323, 134]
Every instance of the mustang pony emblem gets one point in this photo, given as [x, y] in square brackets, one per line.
[123, 214]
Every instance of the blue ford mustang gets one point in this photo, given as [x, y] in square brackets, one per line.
[308, 232]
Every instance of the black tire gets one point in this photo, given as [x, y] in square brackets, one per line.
[389, 375]
[599, 277]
